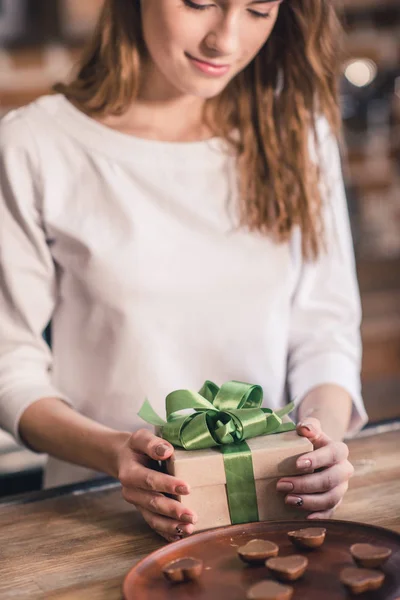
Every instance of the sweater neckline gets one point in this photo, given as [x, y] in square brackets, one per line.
[109, 141]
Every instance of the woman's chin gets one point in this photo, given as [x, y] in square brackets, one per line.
[204, 90]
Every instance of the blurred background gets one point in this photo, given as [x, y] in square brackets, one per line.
[40, 41]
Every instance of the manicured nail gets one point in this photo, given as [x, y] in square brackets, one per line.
[303, 463]
[181, 490]
[285, 486]
[294, 500]
[162, 449]
[306, 426]
[186, 518]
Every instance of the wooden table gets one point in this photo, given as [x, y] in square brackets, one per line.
[79, 543]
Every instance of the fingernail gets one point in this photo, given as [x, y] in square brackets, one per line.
[188, 518]
[184, 530]
[306, 426]
[162, 449]
[285, 486]
[303, 463]
[181, 490]
[176, 538]
[294, 500]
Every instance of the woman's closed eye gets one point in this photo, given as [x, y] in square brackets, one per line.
[196, 5]
[254, 13]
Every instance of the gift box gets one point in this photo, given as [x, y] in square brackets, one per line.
[274, 456]
[231, 452]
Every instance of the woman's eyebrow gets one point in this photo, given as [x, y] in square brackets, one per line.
[251, 2]
[266, 1]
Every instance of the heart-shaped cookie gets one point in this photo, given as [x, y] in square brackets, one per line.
[183, 569]
[269, 590]
[310, 537]
[361, 580]
[288, 568]
[257, 551]
[369, 556]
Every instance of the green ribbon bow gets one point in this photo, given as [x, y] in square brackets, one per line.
[224, 417]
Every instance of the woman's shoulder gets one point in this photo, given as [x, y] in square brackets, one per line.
[14, 129]
[22, 127]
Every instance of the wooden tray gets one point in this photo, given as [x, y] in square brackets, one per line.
[225, 576]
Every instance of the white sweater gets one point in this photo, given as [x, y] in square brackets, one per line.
[129, 247]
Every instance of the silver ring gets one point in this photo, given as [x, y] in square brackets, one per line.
[179, 531]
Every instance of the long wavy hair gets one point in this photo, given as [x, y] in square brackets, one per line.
[273, 104]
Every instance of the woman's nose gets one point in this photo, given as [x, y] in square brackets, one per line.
[223, 40]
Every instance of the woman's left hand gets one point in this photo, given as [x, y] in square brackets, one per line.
[323, 476]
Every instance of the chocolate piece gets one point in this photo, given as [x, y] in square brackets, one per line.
[361, 580]
[369, 556]
[288, 568]
[257, 551]
[311, 537]
[269, 590]
[183, 569]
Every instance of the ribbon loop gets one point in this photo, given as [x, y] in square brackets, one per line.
[185, 399]
[216, 416]
[235, 394]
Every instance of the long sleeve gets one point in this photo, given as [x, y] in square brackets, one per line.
[27, 278]
[325, 344]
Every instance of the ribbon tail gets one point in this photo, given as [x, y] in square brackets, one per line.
[285, 410]
[288, 426]
[148, 414]
[240, 483]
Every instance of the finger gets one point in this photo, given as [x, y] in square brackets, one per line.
[316, 483]
[318, 502]
[327, 514]
[139, 476]
[311, 429]
[325, 456]
[169, 538]
[145, 442]
[159, 504]
[165, 526]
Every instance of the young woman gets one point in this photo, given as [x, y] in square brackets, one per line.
[177, 211]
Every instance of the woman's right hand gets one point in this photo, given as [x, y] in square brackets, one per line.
[145, 487]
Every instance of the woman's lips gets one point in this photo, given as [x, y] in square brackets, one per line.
[209, 68]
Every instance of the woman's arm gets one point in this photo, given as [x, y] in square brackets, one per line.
[324, 358]
[331, 405]
[30, 405]
[51, 426]
[324, 353]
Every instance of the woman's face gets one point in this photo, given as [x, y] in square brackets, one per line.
[197, 46]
